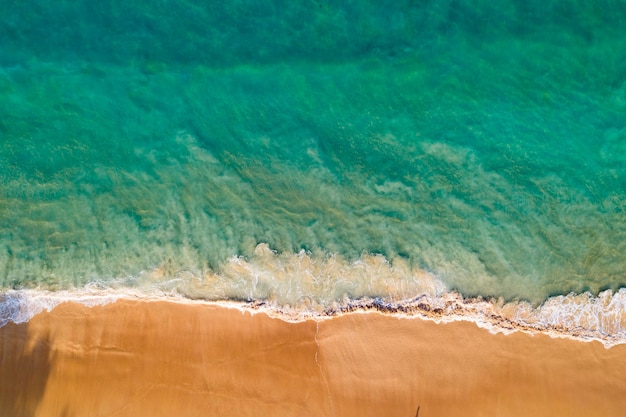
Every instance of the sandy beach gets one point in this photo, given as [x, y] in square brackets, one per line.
[163, 358]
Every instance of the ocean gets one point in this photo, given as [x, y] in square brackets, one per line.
[314, 154]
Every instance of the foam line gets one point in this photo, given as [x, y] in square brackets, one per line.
[580, 317]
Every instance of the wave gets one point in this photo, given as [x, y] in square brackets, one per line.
[301, 286]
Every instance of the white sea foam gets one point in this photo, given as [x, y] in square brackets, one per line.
[19, 306]
[580, 317]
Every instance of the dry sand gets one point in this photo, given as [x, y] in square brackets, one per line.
[160, 358]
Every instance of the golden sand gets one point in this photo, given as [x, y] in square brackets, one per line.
[160, 358]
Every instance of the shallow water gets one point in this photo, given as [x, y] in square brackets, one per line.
[482, 146]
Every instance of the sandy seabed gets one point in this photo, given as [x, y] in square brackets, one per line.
[163, 358]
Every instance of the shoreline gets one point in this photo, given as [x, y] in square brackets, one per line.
[151, 358]
[495, 316]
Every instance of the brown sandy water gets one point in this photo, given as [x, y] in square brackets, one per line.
[163, 358]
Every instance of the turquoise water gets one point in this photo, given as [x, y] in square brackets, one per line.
[483, 142]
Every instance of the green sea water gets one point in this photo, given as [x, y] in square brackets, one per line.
[481, 141]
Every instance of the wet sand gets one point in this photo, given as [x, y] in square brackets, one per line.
[162, 358]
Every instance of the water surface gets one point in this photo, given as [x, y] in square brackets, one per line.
[149, 144]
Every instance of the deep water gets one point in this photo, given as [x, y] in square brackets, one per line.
[482, 141]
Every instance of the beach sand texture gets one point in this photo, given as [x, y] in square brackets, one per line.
[162, 358]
